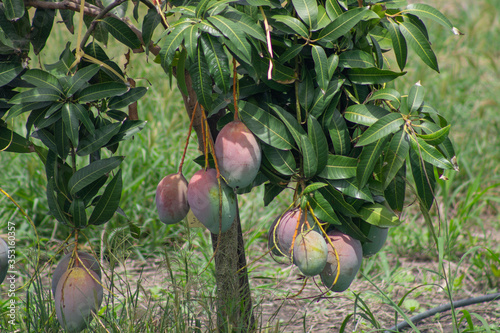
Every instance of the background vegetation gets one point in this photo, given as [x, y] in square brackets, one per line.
[164, 278]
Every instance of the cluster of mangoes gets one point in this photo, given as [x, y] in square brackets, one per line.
[333, 255]
[77, 290]
[211, 199]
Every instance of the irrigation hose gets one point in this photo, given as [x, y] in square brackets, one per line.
[443, 308]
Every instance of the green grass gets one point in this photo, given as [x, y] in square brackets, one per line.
[163, 281]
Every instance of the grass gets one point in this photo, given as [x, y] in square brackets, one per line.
[162, 279]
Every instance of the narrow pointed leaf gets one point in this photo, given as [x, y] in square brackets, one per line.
[151, 20]
[419, 44]
[307, 11]
[170, 44]
[18, 109]
[395, 191]
[398, 43]
[365, 114]
[295, 24]
[109, 201]
[9, 71]
[41, 27]
[339, 167]
[42, 79]
[333, 9]
[387, 94]
[78, 214]
[333, 62]
[36, 94]
[127, 130]
[81, 78]
[426, 11]
[395, 156]
[282, 161]
[71, 123]
[131, 96]
[429, 153]
[191, 35]
[92, 172]
[356, 59]
[323, 209]
[385, 126]
[202, 82]
[339, 133]
[320, 66]
[83, 116]
[371, 75]
[265, 126]
[319, 142]
[14, 9]
[218, 63]
[102, 90]
[336, 199]
[415, 97]
[95, 141]
[368, 158]
[423, 176]
[379, 215]
[122, 32]
[248, 24]
[345, 22]
[13, 142]
[233, 32]
[54, 207]
[350, 188]
[435, 137]
[306, 90]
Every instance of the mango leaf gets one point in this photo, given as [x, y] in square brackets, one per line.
[398, 43]
[318, 140]
[249, 25]
[323, 99]
[306, 90]
[339, 167]
[54, 207]
[423, 176]
[426, 11]
[336, 199]
[333, 9]
[218, 63]
[320, 66]
[109, 201]
[131, 96]
[201, 8]
[36, 94]
[295, 24]
[395, 192]
[371, 75]
[445, 146]
[345, 22]
[395, 156]
[335, 124]
[83, 116]
[41, 27]
[149, 24]
[90, 191]
[13, 142]
[387, 94]
[80, 79]
[122, 32]
[379, 215]
[62, 140]
[18, 109]
[127, 130]
[307, 11]
[41, 79]
[170, 44]
[323, 209]
[78, 214]
[351, 189]
[9, 71]
[436, 137]
[92, 172]
[415, 97]
[333, 62]
[282, 161]
[71, 123]
[290, 53]
[265, 126]
[201, 80]
[271, 191]
[102, 90]
[368, 158]
[191, 35]
[47, 139]
[236, 36]
[419, 44]
[356, 59]
[365, 114]
[283, 74]
[14, 9]
[429, 153]
[385, 126]
[95, 141]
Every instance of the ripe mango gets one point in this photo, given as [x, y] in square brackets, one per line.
[171, 198]
[78, 295]
[84, 258]
[350, 257]
[203, 197]
[238, 154]
[310, 253]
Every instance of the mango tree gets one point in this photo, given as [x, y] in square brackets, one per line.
[307, 84]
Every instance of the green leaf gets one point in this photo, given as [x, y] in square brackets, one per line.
[249, 25]
[368, 158]
[201, 80]
[426, 11]
[61, 139]
[78, 214]
[265, 126]
[333, 62]
[395, 156]
[356, 59]
[306, 90]
[282, 161]
[218, 63]
[336, 126]
[345, 22]
[201, 8]
[318, 140]
[42, 79]
[307, 11]
[323, 209]
[387, 94]
[321, 67]
[379, 215]
[398, 43]
[36, 94]
[396, 190]
[191, 35]
[18, 109]
[290, 53]
[295, 24]
[236, 36]
[92, 172]
[83, 116]
[127, 130]
[109, 201]
[339, 167]
[322, 99]
[350, 188]
[423, 176]
[101, 91]
[41, 27]
[80, 79]
[131, 96]
[47, 139]
[170, 44]
[122, 32]
[14, 9]
[313, 187]
[149, 24]
[333, 9]
[95, 141]
[385, 126]
[419, 44]
[435, 137]
[271, 191]
[429, 153]
[336, 199]
[415, 97]
[71, 123]
[371, 75]
[365, 114]
[9, 71]
[54, 207]
[12, 142]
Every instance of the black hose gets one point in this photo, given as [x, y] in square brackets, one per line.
[445, 307]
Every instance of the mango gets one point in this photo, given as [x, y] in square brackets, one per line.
[350, 257]
[310, 253]
[4, 259]
[171, 198]
[238, 154]
[203, 198]
[84, 258]
[377, 237]
[78, 296]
